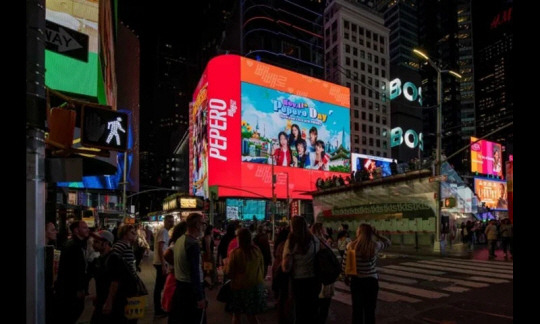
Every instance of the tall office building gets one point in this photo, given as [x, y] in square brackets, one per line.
[288, 34]
[171, 64]
[406, 137]
[401, 17]
[438, 31]
[357, 56]
[466, 69]
[493, 35]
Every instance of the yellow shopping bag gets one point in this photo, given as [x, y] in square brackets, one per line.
[135, 307]
[350, 262]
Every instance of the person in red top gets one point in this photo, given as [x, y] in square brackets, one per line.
[282, 155]
[321, 158]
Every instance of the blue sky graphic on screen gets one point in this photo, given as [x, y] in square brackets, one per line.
[245, 209]
[268, 114]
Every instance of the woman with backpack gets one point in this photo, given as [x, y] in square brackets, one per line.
[360, 268]
[298, 259]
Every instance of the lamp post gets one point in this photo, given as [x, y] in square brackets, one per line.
[438, 159]
[273, 200]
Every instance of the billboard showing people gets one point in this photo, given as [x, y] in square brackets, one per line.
[486, 157]
[491, 192]
[371, 164]
[276, 127]
[247, 116]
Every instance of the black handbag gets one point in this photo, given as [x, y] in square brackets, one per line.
[225, 292]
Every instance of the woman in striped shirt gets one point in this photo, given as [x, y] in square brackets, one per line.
[365, 284]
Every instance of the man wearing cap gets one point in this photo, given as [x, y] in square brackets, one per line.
[103, 241]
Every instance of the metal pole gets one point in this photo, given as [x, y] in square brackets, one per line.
[35, 162]
[124, 184]
[438, 161]
[273, 202]
[288, 201]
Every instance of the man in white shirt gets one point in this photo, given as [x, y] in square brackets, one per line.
[161, 241]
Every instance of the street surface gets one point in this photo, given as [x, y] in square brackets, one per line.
[413, 289]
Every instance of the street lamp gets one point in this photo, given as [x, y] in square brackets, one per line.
[437, 170]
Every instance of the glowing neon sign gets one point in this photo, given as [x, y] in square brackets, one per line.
[411, 138]
[409, 91]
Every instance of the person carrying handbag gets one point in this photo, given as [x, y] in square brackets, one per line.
[170, 281]
[361, 272]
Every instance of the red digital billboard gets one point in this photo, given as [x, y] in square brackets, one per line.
[249, 119]
[486, 157]
[492, 193]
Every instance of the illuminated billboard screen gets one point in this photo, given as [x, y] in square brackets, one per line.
[245, 209]
[370, 163]
[486, 157]
[249, 119]
[293, 131]
[72, 27]
[491, 192]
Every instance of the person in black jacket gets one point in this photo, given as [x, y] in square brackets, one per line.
[71, 283]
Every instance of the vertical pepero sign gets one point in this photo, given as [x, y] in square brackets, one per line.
[223, 120]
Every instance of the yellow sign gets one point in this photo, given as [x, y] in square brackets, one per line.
[188, 203]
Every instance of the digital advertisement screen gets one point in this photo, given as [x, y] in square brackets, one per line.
[242, 209]
[486, 157]
[370, 163]
[242, 109]
[491, 192]
[72, 27]
[293, 131]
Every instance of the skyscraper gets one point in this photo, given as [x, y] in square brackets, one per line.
[493, 34]
[357, 56]
[438, 38]
[287, 34]
[406, 137]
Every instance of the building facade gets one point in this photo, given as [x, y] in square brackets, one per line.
[357, 56]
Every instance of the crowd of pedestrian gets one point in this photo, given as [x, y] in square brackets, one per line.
[188, 261]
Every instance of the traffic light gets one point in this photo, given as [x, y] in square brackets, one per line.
[450, 202]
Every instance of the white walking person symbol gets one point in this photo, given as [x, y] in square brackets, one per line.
[115, 126]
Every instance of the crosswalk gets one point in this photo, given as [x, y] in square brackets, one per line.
[422, 280]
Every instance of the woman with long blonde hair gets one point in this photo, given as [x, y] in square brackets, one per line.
[365, 283]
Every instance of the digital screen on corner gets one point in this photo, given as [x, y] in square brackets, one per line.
[249, 120]
[369, 163]
[244, 209]
[486, 157]
[492, 193]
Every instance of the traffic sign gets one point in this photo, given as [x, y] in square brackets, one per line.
[104, 128]
[66, 41]
[442, 177]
